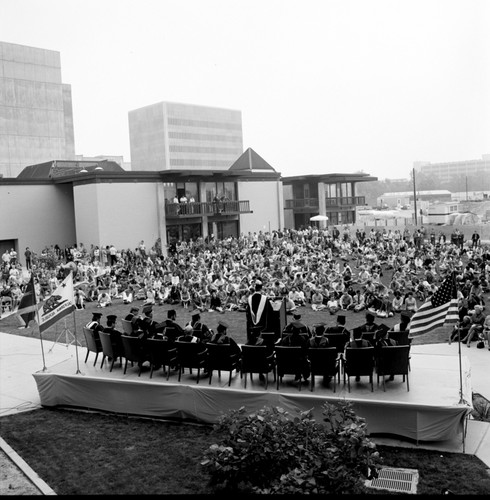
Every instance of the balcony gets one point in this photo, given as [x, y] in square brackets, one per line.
[311, 204]
[302, 205]
[345, 201]
[198, 209]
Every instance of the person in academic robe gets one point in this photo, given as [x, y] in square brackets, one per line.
[259, 311]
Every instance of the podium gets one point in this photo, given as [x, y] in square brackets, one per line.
[277, 320]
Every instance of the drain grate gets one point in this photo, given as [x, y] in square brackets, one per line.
[399, 480]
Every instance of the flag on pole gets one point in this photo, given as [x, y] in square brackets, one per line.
[26, 312]
[58, 305]
[440, 309]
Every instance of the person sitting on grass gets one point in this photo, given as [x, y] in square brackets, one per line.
[486, 330]
[333, 304]
[215, 303]
[104, 300]
[317, 301]
[346, 301]
[477, 320]
[397, 302]
[461, 329]
[127, 295]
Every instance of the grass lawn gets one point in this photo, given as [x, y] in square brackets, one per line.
[79, 453]
[236, 320]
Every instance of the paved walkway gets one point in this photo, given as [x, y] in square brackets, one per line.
[20, 357]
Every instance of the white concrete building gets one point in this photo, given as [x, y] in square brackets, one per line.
[169, 136]
[36, 115]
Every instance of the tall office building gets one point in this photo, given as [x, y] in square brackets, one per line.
[36, 114]
[168, 136]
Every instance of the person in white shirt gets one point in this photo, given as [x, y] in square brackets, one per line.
[410, 302]
[333, 304]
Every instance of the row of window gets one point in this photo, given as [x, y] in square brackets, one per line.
[202, 149]
[205, 124]
[205, 137]
[188, 162]
[212, 190]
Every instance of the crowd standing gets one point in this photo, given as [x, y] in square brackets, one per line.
[334, 270]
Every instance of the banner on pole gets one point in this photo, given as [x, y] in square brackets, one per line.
[438, 310]
[58, 305]
[26, 312]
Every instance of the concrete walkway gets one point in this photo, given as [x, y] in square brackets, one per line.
[20, 357]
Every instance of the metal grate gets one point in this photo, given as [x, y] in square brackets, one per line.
[398, 480]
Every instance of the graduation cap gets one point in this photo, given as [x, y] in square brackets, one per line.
[111, 318]
[96, 315]
[407, 315]
[370, 317]
[147, 309]
[381, 330]
[357, 332]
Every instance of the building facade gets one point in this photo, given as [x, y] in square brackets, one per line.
[65, 203]
[446, 171]
[402, 198]
[333, 195]
[36, 114]
[169, 136]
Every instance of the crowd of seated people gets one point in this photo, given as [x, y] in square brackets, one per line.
[305, 268]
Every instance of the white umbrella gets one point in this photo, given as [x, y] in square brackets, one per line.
[319, 217]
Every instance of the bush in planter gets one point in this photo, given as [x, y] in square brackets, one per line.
[273, 453]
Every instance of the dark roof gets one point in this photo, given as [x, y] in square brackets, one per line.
[60, 168]
[250, 160]
[334, 177]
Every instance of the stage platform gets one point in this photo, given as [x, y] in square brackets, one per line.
[431, 411]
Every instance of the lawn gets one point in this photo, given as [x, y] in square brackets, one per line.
[236, 321]
[81, 453]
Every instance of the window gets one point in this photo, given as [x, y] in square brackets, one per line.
[221, 190]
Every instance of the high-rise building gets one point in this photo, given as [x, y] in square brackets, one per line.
[168, 136]
[36, 115]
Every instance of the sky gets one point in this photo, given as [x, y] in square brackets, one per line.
[324, 86]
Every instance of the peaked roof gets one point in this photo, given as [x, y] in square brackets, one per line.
[250, 160]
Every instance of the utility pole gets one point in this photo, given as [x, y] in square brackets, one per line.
[414, 197]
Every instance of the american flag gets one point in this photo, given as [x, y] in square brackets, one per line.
[440, 309]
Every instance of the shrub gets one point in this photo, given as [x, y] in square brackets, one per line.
[271, 452]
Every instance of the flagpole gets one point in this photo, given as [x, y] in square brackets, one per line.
[39, 328]
[76, 343]
[461, 399]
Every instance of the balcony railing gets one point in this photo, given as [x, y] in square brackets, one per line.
[347, 200]
[198, 209]
[306, 204]
[302, 203]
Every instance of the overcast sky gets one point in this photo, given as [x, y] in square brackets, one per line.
[323, 86]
